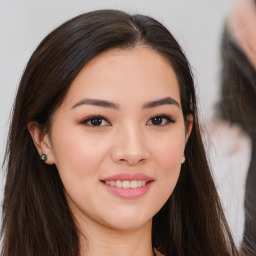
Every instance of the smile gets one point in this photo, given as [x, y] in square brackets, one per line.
[126, 183]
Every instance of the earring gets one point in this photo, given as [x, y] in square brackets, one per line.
[43, 157]
[183, 159]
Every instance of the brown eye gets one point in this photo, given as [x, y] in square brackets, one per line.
[96, 121]
[160, 120]
[157, 120]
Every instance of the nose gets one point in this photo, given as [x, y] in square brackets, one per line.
[130, 147]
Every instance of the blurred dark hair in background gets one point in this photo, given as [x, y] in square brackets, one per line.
[238, 98]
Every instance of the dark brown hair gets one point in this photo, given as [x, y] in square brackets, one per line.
[238, 86]
[36, 216]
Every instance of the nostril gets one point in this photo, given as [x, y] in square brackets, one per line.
[124, 155]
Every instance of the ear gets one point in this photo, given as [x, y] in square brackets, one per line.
[189, 125]
[42, 141]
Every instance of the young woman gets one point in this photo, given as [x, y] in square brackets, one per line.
[105, 155]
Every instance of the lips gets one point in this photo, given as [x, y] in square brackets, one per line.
[128, 185]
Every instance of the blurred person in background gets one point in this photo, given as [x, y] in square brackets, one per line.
[237, 106]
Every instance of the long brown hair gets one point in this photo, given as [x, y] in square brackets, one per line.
[36, 216]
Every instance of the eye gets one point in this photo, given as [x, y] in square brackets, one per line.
[96, 121]
[160, 120]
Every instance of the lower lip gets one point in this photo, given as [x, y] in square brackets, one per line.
[129, 193]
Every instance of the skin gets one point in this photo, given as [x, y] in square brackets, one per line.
[127, 141]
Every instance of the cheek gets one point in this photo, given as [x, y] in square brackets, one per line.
[77, 155]
[169, 150]
[168, 156]
[169, 164]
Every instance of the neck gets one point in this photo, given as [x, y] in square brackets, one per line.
[101, 240]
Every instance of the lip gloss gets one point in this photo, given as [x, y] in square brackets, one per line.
[128, 193]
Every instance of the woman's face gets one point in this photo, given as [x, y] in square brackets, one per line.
[118, 138]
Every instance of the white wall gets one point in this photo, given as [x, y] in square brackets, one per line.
[197, 24]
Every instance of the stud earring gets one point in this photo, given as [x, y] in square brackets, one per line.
[43, 157]
[183, 159]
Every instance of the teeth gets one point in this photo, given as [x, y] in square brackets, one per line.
[127, 183]
[119, 184]
[112, 183]
[134, 184]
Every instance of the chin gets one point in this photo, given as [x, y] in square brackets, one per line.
[129, 225]
[126, 221]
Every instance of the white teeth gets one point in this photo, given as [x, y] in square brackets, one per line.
[119, 184]
[126, 183]
[112, 183]
[134, 184]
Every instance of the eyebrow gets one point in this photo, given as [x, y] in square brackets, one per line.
[108, 104]
[96, 102]
[160, 102]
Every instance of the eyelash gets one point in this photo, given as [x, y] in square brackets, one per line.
[88, 121]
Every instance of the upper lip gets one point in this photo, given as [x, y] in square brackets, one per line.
[128, 177]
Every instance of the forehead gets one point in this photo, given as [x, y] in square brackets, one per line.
[138, 73]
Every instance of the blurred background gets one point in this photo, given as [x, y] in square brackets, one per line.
[196, 24]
